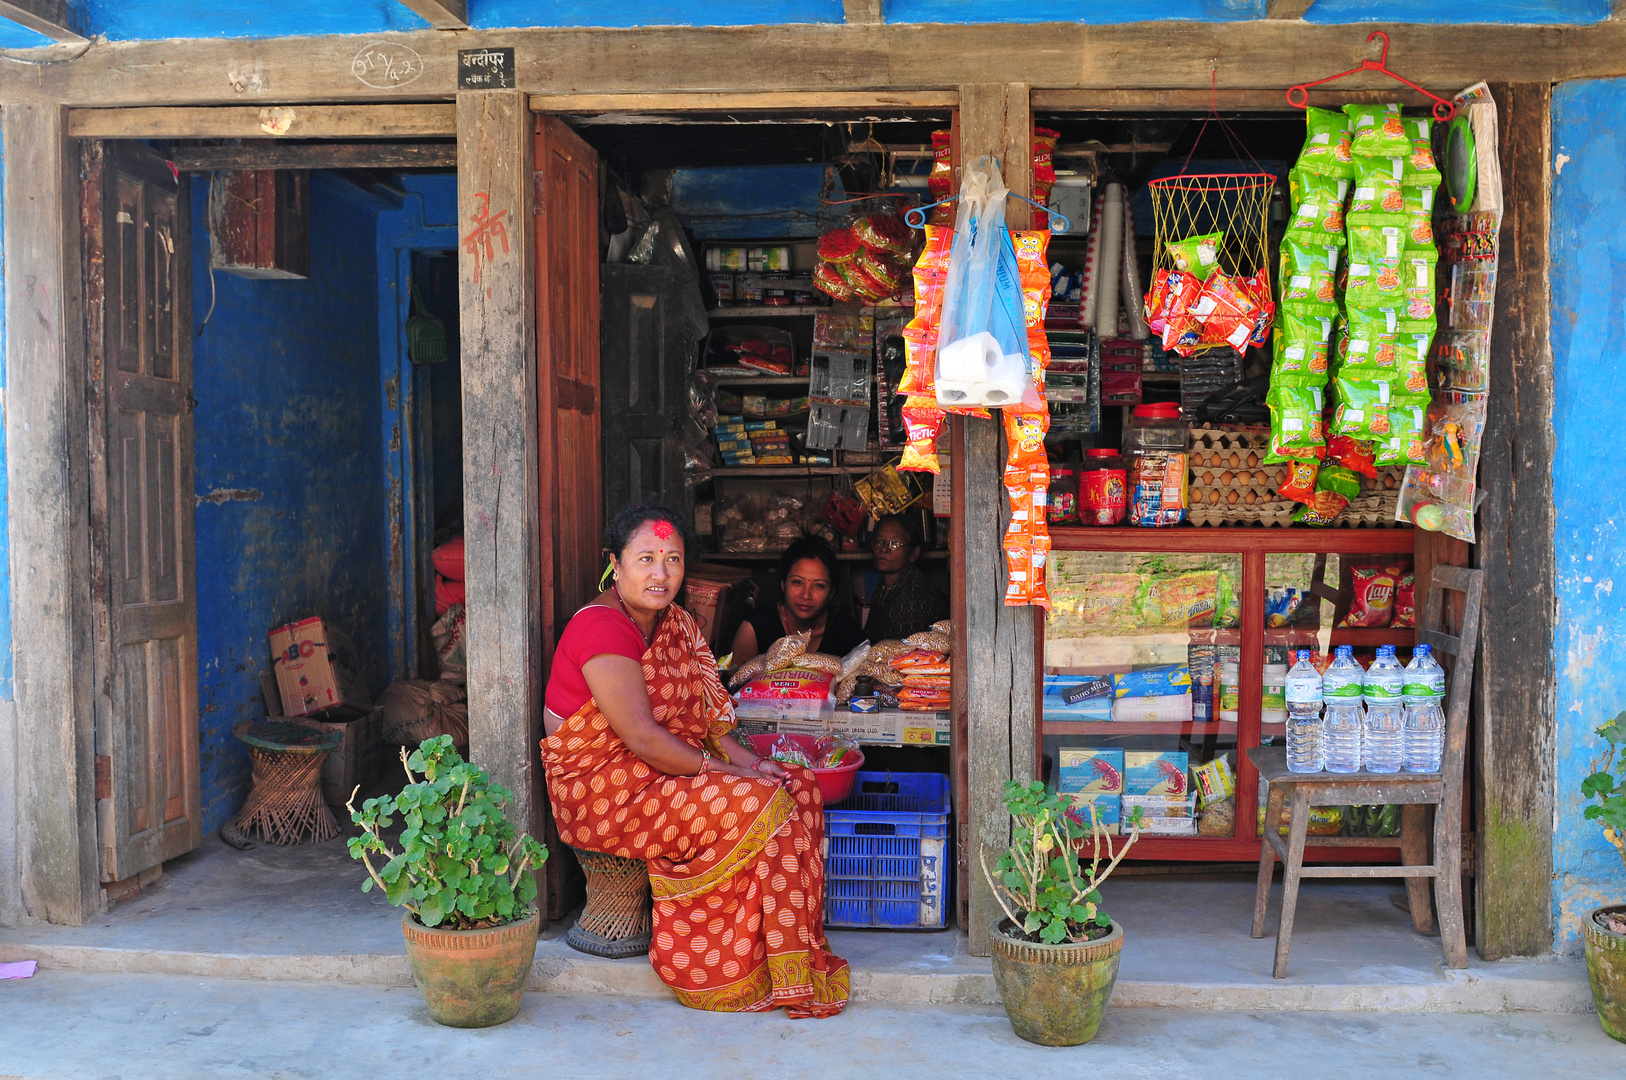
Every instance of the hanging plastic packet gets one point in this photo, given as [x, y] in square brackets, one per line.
[1353, 454]
[1328, 148]
[1377, 130]
[1295, 415]
[1300, 483]
[1363, 408]
[1336, 487]
[923, 423]
[1309, 276]
[1318, 206]
[1300, 348]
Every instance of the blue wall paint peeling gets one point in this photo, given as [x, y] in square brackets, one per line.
[133, 20]
[289, 417]
[1589, 498]
[5, 499]
[491, 14]
[1082, 11]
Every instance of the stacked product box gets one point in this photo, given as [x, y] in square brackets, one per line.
[752, 442]
[733, 443]
[1094, 780]
[1155, 783]
[1153, 694]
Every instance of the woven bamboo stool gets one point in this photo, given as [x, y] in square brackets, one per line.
[285, 805]
[618, 918]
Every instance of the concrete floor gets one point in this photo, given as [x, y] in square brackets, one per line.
[64, 1024]
[299, 914]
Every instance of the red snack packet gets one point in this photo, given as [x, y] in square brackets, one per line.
[883, 233]
[1258, 289]
[831, 284]
[1405, 612]
[1353, 454]
[1152, 306]
[838, 245]
[1374, 599]
[1300, 483]
[1044, 165]
[1228, 314]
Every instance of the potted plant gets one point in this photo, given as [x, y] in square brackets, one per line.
[464, 877]
[1605, 928]
[1056, 951]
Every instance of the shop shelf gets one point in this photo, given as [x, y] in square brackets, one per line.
[760, 380]
[770, 312]
[1139, 727]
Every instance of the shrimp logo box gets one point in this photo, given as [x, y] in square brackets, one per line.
[1152, 772]
[1093, 778]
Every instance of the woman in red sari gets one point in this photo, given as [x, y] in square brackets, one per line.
[640, 763]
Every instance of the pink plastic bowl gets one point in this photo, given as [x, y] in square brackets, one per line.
[834, 784]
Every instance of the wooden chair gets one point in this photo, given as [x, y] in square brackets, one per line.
[1416, 792]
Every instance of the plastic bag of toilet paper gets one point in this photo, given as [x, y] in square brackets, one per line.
[982, 343]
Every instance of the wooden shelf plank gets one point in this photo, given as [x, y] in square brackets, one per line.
[1140, 727]
[759, 380]
[1209, 540]
[786, 312]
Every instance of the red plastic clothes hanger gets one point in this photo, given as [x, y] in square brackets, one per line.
[1299, 96]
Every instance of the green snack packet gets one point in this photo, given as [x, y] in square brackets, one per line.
[1197, 255]
[1318, 206]
[1295, 416]
[1404, 280]
[1388, 344]
[1309, 275]
[1409, 414]
[1335, 487]
[1340, 480]
[1327, 148]
[1377, 130]
[1362, 408]
[1421, 168]
[1385, 193]
[1300, 345]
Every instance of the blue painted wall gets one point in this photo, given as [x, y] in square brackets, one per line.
[1589, 497]
[5, 500]
[288, 441]
[1482, 11]
[1084, 11]
[129, 20]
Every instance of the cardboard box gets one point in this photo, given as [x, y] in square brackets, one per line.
[888, 727]
[318, 671]
[1153, 772]
[354, 764]
[710, 593]
[1108, 812]
[1091, 771]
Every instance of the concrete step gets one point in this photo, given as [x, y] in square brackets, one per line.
[879, 974]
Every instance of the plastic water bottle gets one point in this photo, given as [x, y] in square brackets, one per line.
[1385, 680]
[1306, 750]
[1424, 719]
[1425, 738]
[1424, 677]
[1383, 741]
[1343, 727]
[1342, 682]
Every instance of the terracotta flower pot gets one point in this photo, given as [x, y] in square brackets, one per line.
[471, 978]
[1055, 995]
[1606, 971]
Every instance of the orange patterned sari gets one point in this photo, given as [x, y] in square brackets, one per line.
[736, 865]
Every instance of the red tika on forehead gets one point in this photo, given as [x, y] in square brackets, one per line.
[662, 529]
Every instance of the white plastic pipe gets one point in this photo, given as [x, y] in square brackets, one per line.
[1092, 267]
[1132, 291]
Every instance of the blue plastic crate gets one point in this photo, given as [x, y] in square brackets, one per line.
[887, 853]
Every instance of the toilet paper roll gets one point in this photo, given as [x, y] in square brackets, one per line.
[976, 371]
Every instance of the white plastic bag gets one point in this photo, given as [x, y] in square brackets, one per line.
[982, 350]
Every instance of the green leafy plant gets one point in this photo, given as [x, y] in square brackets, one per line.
[461, 864]
[1609, 793]
[1040, 882]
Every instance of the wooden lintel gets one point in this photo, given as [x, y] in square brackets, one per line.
[321, 155]
[806, 58]
[442, 14]
[251, 122]
[823, 101]
[48, 17]
[1273, 99]
[862, 11]
[1287, 9]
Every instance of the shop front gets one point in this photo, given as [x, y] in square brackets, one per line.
[614, 240]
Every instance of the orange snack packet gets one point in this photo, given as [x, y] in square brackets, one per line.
[1019, 570]
[1024, 438]
[1039, 589]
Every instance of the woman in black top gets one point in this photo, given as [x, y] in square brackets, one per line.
[807, 576]
[905, 602]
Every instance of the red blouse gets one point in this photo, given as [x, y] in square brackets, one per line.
[595, 630]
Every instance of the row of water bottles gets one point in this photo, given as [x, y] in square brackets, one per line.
[1401, 728]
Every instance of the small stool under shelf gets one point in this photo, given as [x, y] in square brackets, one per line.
[285, 805]
[618, 918]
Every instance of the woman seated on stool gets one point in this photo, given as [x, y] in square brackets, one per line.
[905, 601]
[807, 575]
[640, 763]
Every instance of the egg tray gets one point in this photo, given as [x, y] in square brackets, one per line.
[1373, 508]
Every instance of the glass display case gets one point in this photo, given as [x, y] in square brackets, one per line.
[1163, 658]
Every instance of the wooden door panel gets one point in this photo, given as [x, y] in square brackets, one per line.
[646, 355]
[142, 517]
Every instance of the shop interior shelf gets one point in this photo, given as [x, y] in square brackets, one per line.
[771, 312]
[1194, 539]
[1139, 727]
[773, 556]
[791, 470]
[760, 380]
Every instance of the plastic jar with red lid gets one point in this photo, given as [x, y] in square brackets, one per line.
[1062, 505]
[1155, 450]
[1103, 491]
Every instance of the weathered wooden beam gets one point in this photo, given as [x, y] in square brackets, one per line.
[1517, 729]
[442, 14]
[822, 101]
[497, 324]
[1287, 9]
[998, 657]
[1199, 100]
[250, 122]
[858, 12]
[48, 17]
[47, 470]
[1260, 54]
[329, 155]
